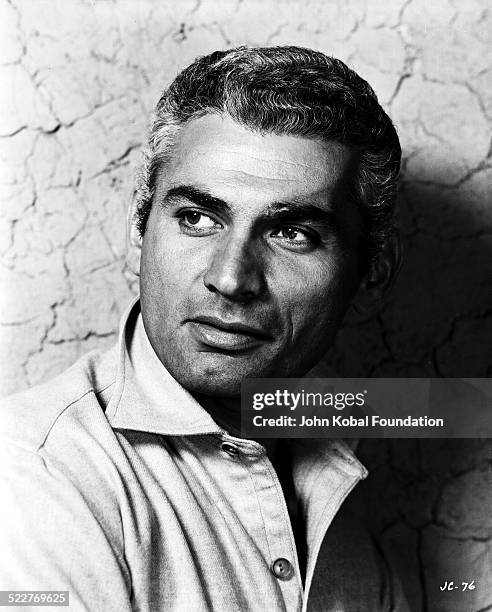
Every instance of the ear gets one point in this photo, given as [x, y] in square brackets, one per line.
[133, 238]
[378, 280]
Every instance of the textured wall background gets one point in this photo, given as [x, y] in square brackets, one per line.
[79, 79]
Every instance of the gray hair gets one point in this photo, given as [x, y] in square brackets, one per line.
[285, 90]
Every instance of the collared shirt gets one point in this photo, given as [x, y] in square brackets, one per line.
[120, 488]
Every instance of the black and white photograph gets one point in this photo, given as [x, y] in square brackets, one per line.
[206, 199]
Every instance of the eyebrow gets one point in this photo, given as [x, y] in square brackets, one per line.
[285, 212]
[199, 197]
[300, 211]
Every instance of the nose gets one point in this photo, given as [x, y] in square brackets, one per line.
[235, 270]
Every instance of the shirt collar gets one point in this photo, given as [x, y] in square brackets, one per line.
[147, 398]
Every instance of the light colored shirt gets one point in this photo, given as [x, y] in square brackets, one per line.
[117, 486]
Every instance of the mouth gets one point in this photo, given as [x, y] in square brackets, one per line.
[226, 336]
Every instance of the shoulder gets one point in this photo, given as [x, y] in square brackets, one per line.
[58, 450]
[61, 469]
[28, 418]
[57, 508]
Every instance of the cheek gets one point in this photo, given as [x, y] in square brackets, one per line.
[317, 303]
[165, 268]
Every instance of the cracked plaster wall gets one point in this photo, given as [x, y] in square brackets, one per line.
[79, 79]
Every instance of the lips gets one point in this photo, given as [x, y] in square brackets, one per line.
[225, 335]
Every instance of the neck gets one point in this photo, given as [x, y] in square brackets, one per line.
[226, 412]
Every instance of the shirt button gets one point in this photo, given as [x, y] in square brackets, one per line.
[282, 569]
[230, 449]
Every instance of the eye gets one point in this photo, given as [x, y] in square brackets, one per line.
[291, 233]
[194, 222]
[294, 236]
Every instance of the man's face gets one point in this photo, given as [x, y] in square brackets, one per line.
[249, 259]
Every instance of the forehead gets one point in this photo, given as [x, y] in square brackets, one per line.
[216, 152]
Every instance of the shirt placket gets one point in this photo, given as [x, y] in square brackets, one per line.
[329, 479]
[280, 542]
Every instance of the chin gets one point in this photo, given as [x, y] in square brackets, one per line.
[213, 384]
[216, 377]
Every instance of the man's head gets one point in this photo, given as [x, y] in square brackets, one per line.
[265, 205]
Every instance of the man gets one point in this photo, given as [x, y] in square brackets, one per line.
[263, 211]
